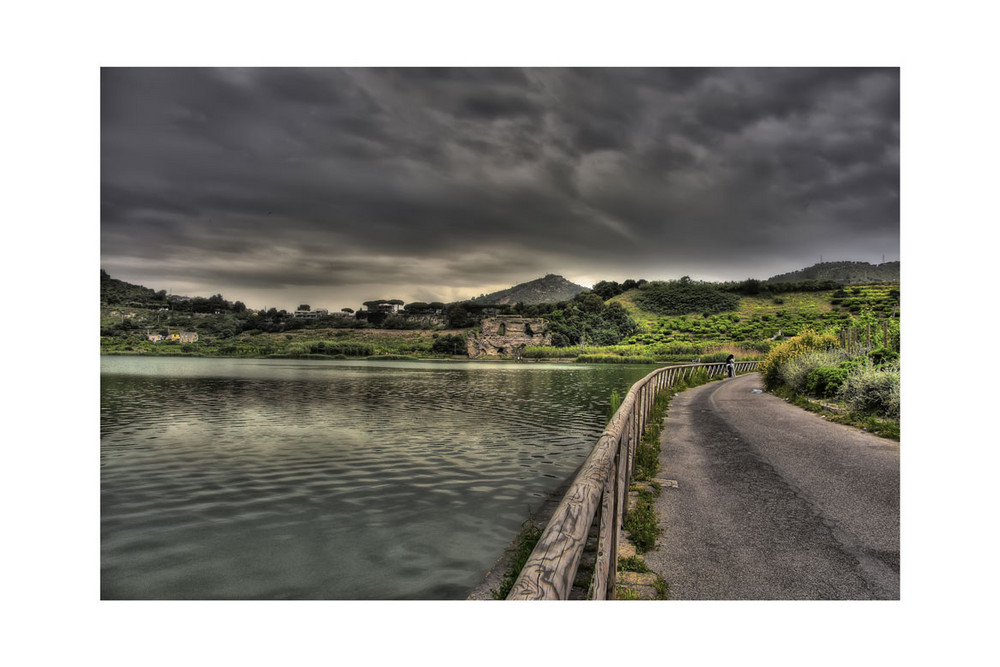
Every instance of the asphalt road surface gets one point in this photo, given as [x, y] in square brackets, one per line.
[773, 502]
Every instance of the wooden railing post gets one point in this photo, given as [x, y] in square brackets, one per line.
[621, 497]
[605, 541]
[601, 484]
[633, 444]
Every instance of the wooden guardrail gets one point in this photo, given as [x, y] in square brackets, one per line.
[601, 484]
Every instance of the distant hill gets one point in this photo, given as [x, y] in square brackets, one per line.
[843, 272]
[116, 292]
[550, 289]
[119, 292]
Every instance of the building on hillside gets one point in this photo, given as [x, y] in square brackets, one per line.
[311, 314]
[184, 337]
[382, 307]
[156, 338]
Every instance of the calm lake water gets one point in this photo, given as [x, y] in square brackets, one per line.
[281, 479]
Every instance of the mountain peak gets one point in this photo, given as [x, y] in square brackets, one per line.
[549, 289]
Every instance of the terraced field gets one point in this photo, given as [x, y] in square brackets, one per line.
[762, 318]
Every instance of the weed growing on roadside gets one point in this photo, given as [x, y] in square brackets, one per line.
[647, 451]
[636, 564]
[632, 564]
[625, 593]
[642, 522]
[662, 588]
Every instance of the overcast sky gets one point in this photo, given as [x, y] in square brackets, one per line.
[334, 186]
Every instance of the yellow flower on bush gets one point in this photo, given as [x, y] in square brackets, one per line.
[796, 346]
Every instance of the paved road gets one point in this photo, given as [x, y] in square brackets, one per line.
[773, 502]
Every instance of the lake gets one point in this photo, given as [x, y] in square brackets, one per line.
[342, 480]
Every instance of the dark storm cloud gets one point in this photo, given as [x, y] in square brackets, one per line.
[450, 182]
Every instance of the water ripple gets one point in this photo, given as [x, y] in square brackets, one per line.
[241, 479]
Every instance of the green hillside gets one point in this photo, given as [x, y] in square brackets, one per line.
[118, 292]
[759, 319]
[843, 272]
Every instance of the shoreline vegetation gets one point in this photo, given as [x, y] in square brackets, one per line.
[555, 355]
[828, 346]
[556, 358]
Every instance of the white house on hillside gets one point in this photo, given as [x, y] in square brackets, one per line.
[383, 307]
[312, 314]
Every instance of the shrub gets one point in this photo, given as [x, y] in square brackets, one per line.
[297, 349]
[685, 296]
[795, 372]
[825, 381]
[449, 344]
[873, 391]
[559, 340]
[883, 355]
[790, 349]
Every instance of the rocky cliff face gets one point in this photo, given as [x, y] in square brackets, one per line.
[506, 336]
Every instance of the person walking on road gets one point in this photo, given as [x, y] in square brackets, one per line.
[731, 366]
